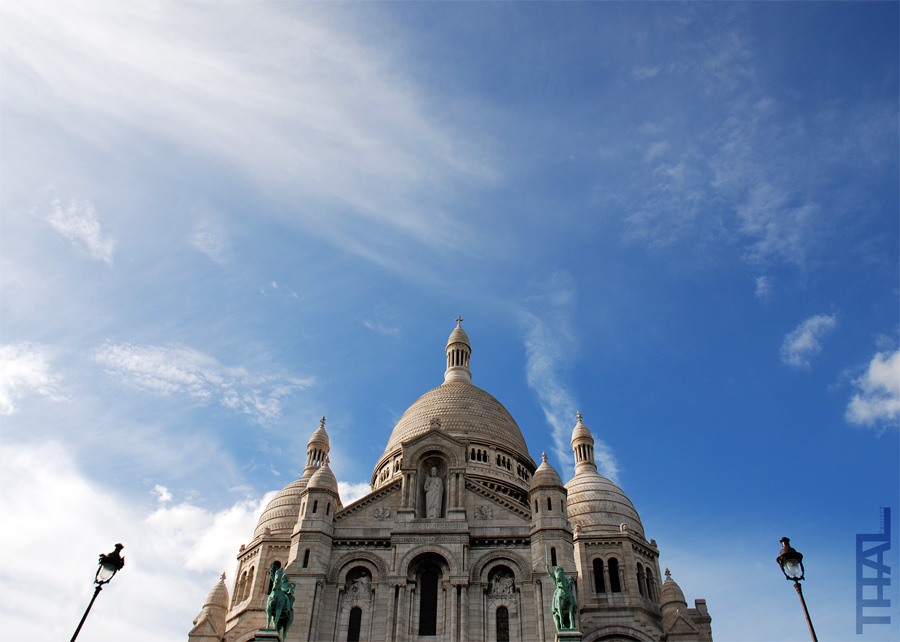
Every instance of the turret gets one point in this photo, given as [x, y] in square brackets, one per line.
[550, 531]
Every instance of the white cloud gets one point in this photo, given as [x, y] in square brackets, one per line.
[78, 222]
[801, 345]
[547, 345]
[177, 369]
[351, 491]
[877, 401]
[173, 553]
[763, 288]
[163, 494]
[25, 369]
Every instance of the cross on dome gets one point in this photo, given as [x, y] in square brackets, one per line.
[458, 320]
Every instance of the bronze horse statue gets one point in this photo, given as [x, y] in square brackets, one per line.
[280, 605]
[564, 607]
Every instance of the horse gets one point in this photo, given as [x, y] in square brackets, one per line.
[564, 606]
[280, 604]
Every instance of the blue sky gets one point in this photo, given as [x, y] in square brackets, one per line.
[221, 221]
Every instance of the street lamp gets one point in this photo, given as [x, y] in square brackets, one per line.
[110, 564]
[791, 563]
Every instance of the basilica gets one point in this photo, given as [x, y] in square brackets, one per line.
[459, 540]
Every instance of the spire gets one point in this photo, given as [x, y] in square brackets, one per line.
[583, 447]
[458, 352]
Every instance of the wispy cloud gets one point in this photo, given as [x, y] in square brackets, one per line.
[877, 401]
[549, 344]
[25, 368]
[177, 369]
[656, 150]
[643, 73]
[763, 288]
[210, 238]
[382, 328]
[368, 150]
[78, 222]
[804, 342]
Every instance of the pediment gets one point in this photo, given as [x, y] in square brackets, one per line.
[203, 627]
[380, 505]
[510, 498]
[680, 625]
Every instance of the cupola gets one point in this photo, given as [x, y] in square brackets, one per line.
[459, 350]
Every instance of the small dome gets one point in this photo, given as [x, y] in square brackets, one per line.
[218, 596]
[284, 510]
[323, 479]
[581, 431]
[545, 475]
[320, 437]
[671, 593]
[595, 503]
[458, 336]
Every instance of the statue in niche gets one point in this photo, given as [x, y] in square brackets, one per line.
[434, 494]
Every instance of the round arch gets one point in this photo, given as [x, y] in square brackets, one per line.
[413, 457]
[346, 562]
[406, 563]
[482, 566]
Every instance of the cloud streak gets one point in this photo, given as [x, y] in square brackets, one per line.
[177, 369]
[547, 344]
[805, 341]
[325, 116]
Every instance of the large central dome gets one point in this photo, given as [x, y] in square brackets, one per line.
[459, 409]
[465, 412]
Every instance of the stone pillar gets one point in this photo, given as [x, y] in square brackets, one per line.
[464, 616]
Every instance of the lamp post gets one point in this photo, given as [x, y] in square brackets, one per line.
[791, 563]
[110, 564]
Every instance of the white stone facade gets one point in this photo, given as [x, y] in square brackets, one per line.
[380, 569]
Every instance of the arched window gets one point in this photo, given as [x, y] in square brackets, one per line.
[269, 589]
[549, 504]
[651, 587]
[315, 506]
[241, 587]
[553, 557]
[615, 585]
[306, 558]
[502, 624]
[536, 507]
[428, 602]
[640, 578]
[599, 580]
[328, 509]
[354, 624]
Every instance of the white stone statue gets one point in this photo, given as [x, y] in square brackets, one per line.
[434, 494]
